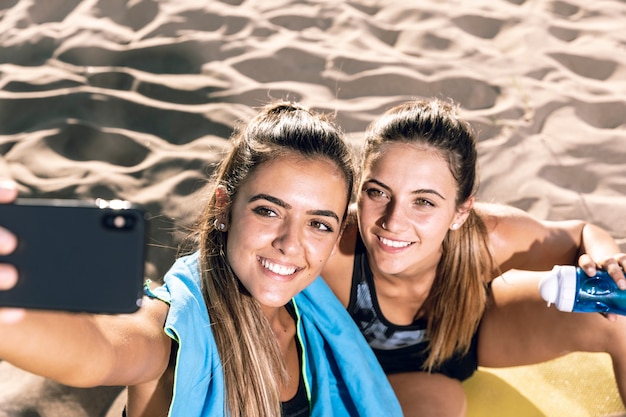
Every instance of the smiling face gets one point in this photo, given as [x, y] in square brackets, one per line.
[285, 222]
[407, 204]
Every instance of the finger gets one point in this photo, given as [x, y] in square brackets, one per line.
[11, 315]
[8, 277]
[613, 267]
[621, 260]
[8, 241]
[587, 264]
[8, 191]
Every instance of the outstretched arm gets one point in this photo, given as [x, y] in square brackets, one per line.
[80, 349]
[520, 241]
[86, 350]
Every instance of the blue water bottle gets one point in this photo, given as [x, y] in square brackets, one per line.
[570, 289]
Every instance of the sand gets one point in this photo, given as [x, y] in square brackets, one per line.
[134, 99]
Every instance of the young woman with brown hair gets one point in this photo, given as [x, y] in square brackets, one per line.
[423, 256]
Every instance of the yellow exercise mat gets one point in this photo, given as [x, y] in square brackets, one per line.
[576, 385]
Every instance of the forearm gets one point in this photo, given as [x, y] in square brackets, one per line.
[61, 346]
[87, 350]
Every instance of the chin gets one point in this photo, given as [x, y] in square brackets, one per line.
[273, 302]
[388, 267]
[390, 270]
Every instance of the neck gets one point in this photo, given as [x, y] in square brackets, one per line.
[281, 322]
[401, 296]
[415, 280]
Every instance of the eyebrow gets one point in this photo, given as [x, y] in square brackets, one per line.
[281, 203]
[418, 191]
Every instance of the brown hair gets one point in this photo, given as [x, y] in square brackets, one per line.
[456, 301]
[251, 360]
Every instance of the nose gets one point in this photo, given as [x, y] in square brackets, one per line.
[394, 218]
[287, 240]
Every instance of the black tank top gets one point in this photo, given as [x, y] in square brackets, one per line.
[398, 348]
[298, 406]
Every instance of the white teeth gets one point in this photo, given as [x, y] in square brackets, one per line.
[394, 243]
[278, 269]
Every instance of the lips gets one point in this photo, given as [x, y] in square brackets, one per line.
[395, 244]
[278, 269]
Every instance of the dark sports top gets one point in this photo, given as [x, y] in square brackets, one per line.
[399, 348]
[298, 406]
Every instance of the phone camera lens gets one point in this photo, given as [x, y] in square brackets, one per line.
[118, 221]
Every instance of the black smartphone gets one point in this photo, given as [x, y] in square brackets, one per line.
[75, 255]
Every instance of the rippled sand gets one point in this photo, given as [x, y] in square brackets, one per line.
[135, 99]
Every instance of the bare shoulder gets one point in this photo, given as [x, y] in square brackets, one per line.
[499, 215]
[507, 224]
[519, 240]
[338, 270]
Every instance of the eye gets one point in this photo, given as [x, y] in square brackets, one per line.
[375, 193]
[322, 226]
[424, 202]
[265, 211]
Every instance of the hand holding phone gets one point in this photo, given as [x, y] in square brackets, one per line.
[8, 241]
[75, 255]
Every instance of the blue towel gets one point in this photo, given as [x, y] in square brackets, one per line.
[342, 372]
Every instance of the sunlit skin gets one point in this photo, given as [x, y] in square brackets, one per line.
[285, 222]
[406, 207]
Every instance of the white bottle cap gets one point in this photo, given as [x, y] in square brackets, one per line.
[559, 287]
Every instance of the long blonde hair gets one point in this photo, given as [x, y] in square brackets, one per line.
[251, 359]
[456, 301]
